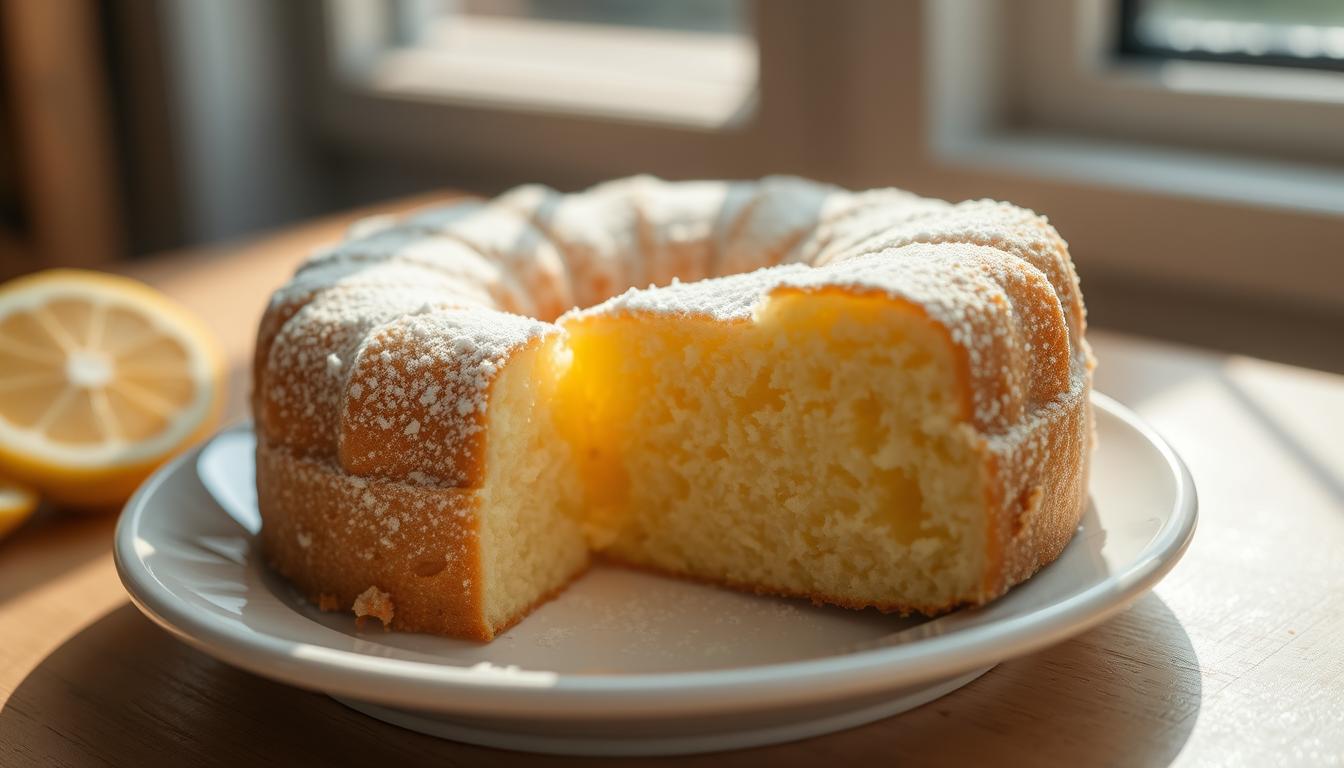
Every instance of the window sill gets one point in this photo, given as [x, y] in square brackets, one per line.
[1168, 171]
[686, 79]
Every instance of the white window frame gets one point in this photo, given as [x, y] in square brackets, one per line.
[698, 80]
[1207, 105]
[491, 143]
[1247, 198]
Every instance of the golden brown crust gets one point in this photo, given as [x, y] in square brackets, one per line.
[1038, 491]
[331, 534]
[300, 388]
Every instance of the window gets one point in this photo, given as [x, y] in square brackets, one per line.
[1119, 113]
[692, 62]
[1118, 71]
[688, 62]
[1288, 33]
[569, 92]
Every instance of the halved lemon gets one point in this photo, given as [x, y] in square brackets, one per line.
[102, 378]
[17, 504]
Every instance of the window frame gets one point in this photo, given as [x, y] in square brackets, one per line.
[684, 78]
[1133, 46]
[1115, 148]
[491, 146]
[1087, 86]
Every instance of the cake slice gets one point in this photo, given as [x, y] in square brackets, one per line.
[452, 491]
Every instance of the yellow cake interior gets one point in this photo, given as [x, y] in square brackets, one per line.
[816, 448]
[532, 543]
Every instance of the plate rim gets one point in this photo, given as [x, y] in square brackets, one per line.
[497, 690]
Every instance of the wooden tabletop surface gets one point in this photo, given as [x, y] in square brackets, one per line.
[1237, 658]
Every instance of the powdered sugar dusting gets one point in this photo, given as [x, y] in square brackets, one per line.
[423, 382]
[975, 267]
[597, 233]
[784, 210]
[334, 514]
[507, 239]
[300, 388]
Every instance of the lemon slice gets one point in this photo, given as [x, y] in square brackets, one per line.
[17, 504]
[101, 379]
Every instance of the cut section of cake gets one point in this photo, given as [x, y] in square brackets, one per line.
[842, 435]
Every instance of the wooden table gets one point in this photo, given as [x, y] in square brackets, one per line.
[1237, 658]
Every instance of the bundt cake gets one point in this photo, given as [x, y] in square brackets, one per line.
[866, 399]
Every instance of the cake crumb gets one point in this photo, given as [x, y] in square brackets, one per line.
[376, 603]
[328, 602]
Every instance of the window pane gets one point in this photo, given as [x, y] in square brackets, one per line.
[690, 62]
[1308, 33]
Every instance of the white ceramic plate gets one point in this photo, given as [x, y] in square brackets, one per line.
[625, 662]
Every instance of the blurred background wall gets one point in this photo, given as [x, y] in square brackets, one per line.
[1191, 151]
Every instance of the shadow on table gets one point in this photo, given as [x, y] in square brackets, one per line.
[124, 692]
[1127, 692]
[1292, 445]
[53, 543]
